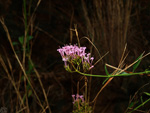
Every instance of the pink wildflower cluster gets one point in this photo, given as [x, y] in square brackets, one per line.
[73, 52]
[77, 97]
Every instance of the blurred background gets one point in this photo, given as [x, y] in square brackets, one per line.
[49, 24]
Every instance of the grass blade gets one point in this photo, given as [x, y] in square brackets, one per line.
[137, 64]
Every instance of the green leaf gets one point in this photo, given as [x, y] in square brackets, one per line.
[106, 71]
[30, 67]
[141, 99]
[14, 43]
[21, 39]
[137, 63]
[148, 94]
[123, 73]
[105, 81]
[140, 105]
[131, 105]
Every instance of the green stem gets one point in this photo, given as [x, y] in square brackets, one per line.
[106, 76]
[140, 105]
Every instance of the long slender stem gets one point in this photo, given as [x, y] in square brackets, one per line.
[119, 75]
[140, 105]
[17, 58]
[38, 76]
[85, 78]
[25, 35]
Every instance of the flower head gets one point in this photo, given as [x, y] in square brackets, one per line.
[77, 97]
[75, 54]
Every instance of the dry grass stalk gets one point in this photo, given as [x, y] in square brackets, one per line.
[16, 56]
[107, 26]
[11, 79]
[28, 25]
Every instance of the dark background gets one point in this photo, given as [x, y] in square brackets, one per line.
[109, 27]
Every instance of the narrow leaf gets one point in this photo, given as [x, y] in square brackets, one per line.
[137, 63]
[21, 39]
[107, 73]
[148, 94]
[123, 73]
[131, 105]
[141, 99]
[105, 81]
[30, 67]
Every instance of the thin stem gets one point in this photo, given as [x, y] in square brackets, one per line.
[17, 58]
[38, 76]
[77, 35]
[119, 75]
[140, 105]
[85, 78]
[89, 92]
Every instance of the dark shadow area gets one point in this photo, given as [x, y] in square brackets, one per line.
[48, 25]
